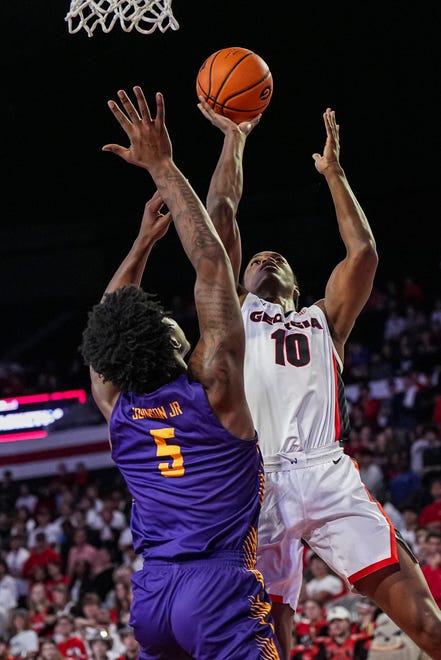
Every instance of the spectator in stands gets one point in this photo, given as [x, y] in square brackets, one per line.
[81, 549]
[365, 617]
[26, 498]
[122, 598]
[69, 643]
[389, 410]
[432, 564]
[8, 587]
[118, 502]
[87, 614]
[308, 627]
[406, 359]
[41, 554]
[130, 645]
[16, 558]
[391, 643]
[106, 527]
[357, 356]
[55, 576]
[405, 485]
[22, 522]
[395, 324]
[102, 580]
[105, 626]
[45, 525]
[120, 574]
[427, 351]
[64, 515]
[430, 515]
[127, 552]
[404, 401]
[368, 403]
[323, 584]
[341, 641]
[370, 472]
[90, 508]
[101, 646]
[62, 602]
[49, 650]
[429, 439]
[42, 616]
[24, 643]
[410, 515]
[391, 511]
[81, 581]
[93, 493]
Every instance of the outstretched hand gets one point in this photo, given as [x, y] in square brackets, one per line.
[331, 152]
[155, 224]
[224, 123]
[149, 140]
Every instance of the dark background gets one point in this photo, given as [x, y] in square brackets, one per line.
[70, 211]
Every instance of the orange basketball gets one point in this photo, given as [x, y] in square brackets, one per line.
[235, 82]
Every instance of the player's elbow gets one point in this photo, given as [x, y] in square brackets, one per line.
[365, 256]
[221, 209]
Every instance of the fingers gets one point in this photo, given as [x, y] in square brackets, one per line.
[160, 109]
[134, 115]
[166, 218]
[156, 202]
[205, 108]
[142, 103]
[128, 106]
[116, 149]
[203, 104]
[118, 114]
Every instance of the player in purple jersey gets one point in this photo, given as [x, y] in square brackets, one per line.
[292, 374]
[181, 432]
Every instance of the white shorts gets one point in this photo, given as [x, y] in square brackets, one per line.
[318, 496]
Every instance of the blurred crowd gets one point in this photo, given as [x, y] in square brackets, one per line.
[66, 561]
[66, 555]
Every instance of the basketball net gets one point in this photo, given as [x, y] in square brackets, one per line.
[143, 15]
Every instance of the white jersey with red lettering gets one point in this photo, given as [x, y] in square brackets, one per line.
[292, 378]
[313, 490]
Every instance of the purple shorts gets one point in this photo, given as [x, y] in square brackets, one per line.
[202, 609]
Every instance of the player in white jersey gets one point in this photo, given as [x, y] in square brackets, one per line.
[293, 382]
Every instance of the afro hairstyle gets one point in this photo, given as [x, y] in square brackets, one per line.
[127, 342]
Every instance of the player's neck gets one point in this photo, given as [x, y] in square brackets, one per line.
[287, 304]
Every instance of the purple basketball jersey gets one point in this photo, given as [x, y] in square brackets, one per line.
[195, 487]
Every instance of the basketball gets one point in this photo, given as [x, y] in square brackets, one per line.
[236, 83]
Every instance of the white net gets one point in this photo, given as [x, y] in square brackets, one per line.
[143, 15]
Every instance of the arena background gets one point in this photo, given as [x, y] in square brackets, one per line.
[70, 211]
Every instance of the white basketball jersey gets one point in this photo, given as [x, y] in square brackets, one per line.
[292, 379]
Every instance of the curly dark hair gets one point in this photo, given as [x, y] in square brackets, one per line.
[127, 342]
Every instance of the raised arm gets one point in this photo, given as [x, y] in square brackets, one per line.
[226, 185]
[154, 225]
[218, 357]
[350, 283]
